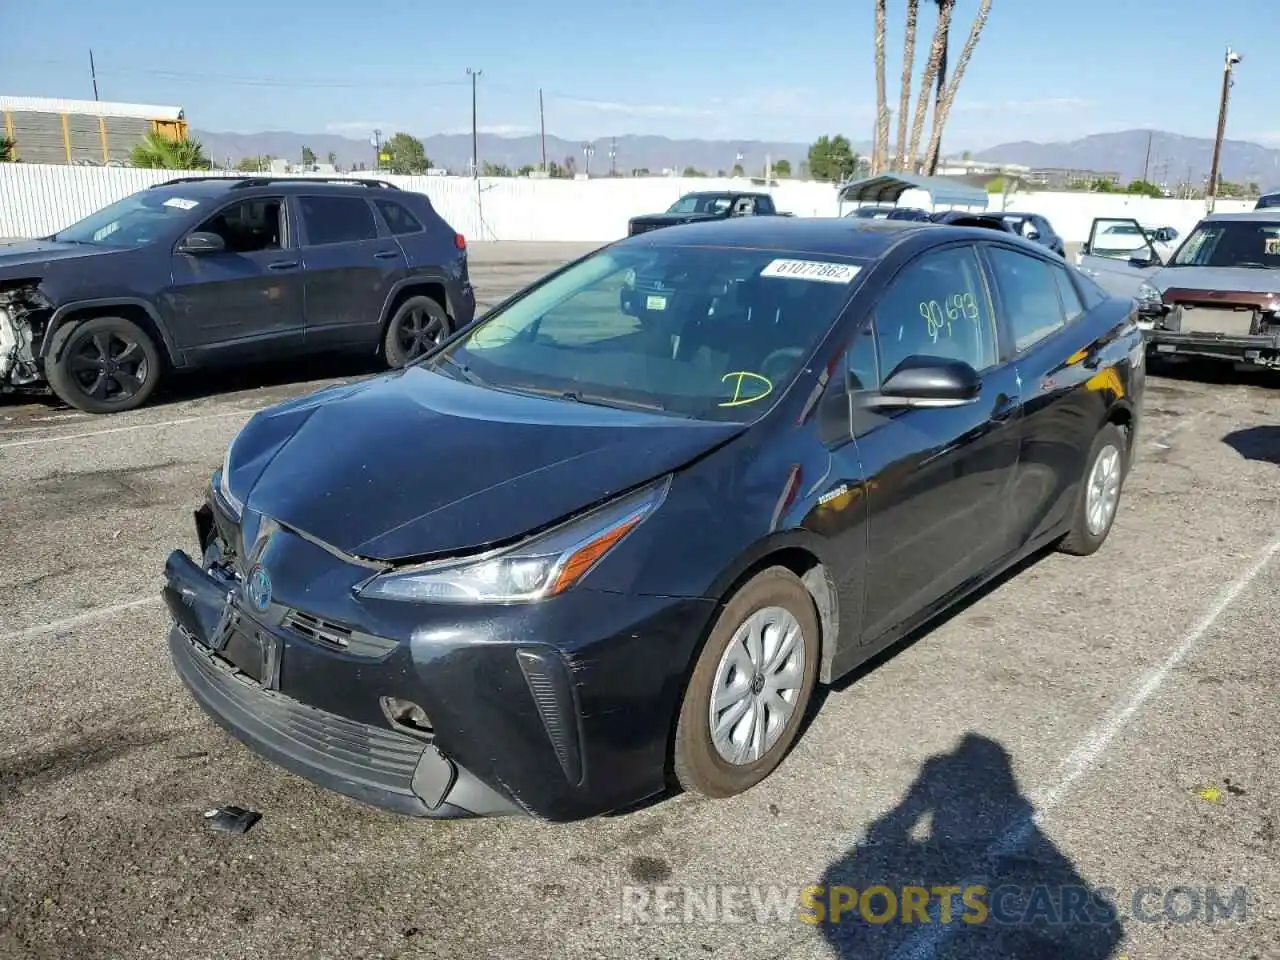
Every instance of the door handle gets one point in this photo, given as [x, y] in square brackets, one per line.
[386, 254]
[282, 265]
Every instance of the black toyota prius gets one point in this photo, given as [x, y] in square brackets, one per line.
[610, 537]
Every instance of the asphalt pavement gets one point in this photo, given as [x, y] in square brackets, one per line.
[1103, 726]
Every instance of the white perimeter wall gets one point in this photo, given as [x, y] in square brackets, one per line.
[36, 200]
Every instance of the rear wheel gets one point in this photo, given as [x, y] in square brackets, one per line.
[103, 365]
[418, 325]
[750, 687]
[1099, 496]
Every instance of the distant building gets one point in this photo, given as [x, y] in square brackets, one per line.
[92, 132]
[1058, 178]
[961, 167]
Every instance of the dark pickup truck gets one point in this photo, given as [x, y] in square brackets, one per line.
[695, 207]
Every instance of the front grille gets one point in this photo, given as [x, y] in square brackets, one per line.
[356, 752]
[316, 629]
[1216, 320]
[335, 635]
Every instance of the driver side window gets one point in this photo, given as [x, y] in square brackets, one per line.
[247, 227]
[937, 306]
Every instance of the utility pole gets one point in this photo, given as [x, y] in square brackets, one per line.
[1211, 188]
[542, 126]
[613, 156]
[377, 150]
[475, 134]
[1146, 166]
[93, 74]
[588, 151]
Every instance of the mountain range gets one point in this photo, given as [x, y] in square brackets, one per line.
[1159, 155]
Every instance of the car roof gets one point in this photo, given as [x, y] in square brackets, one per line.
[1266, 213]
[216, 186]
[832, 236]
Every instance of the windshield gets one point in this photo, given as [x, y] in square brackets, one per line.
[708, 333]
[701, 203]
[1231, 243]
[130, 222]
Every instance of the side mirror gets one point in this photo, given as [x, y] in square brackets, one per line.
[1145, 257]
[201, 242]
[927, 382]
[1032, 234]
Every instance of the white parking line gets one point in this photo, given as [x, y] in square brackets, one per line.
[135, 426]
[70, 623]
[1087, 753]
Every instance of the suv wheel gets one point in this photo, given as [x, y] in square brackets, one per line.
[103, 365]
[1099, 496]
[750, 687]
[418, 325]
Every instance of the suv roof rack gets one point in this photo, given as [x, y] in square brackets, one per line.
[360, 181]
[243, 181]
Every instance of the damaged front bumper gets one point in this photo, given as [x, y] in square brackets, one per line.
[24, 311]
[561, 710]
[1248, 337]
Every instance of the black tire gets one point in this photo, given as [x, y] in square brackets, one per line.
[697, 764]
[417, 325]
[1081, 541]
[103, 365]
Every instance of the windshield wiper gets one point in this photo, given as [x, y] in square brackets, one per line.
[462, 368]
[1250, 265]
[577, 396]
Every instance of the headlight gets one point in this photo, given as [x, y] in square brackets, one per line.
[224, 484]
[1148, 295]
[540, 567]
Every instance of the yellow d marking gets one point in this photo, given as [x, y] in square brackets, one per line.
[738, 399]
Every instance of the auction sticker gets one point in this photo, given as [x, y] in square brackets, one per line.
[819, 270]
[182, 203]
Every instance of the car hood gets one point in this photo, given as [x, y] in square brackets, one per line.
[1218, 279]
[25, 253]
[675, 217]
[413, 464]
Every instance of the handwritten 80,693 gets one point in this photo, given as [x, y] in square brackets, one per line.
[940, 316]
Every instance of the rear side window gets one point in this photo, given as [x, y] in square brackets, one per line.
[1072, 305]
[337, 220]
[399, 219]
[1029, 294]
[1092, 294]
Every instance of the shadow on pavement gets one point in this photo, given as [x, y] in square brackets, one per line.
[963, 825]
[1214, 371]
[1256, 443]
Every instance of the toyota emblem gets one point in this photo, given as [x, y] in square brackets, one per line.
[258, 588]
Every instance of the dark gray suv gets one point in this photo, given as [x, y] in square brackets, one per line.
[201, 271]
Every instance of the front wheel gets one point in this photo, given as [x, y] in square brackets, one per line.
[1099, 495]
[418, 325]
[750, 687]
[103, 365]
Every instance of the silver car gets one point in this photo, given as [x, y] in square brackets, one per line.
[1216, 296]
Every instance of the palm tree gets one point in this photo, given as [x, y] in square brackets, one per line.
[157, 152]
[940, 89]
[936, 51]
[944, 108]
[6, 150]
[904, 100]
[881, 152]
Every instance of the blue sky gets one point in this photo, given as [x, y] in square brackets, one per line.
[738, 70]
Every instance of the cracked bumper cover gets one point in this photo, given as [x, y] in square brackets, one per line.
[560, 710]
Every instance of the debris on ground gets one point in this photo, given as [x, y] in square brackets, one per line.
[232, 819]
